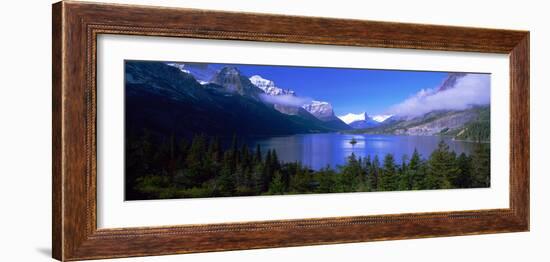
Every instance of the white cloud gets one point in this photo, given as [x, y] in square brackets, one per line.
[286, 100]
[470, 90]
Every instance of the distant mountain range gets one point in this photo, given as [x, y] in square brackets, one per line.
[269, 87]
[168, 100]
[283, 100]
[363, 120]
[472, 123]
[189, 98]
[286, 101]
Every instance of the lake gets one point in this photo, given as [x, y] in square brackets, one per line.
[319, 150]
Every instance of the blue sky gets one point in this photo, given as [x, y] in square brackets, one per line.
[348, 90]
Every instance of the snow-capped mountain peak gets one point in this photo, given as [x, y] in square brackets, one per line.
[200, 71]
[350, 117]
[269, 87]
[362, 120]
[179, 66]
[381, 118]
[320, 109]
[261, 82]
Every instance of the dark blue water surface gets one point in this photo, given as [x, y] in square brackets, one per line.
[319, 150]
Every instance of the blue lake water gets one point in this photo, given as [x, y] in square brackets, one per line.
[319, 150]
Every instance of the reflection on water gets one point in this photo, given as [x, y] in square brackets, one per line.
[320, 150]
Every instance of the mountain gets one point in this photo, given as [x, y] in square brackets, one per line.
[470, 124]
[325, 112]
[161, 80]
[269, 87]
[320, 109]
[381, 118]
[364, 124]
[168, 101]
[362, 120]
[287, 102]
[280, 99]
[202, 72]
[233, 81]
[351, 117]
[450, 81]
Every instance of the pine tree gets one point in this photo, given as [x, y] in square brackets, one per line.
[367, 164]
[374, 174]
[226, 182]
[258, 155]
[388, 179]
[234, 153]
[144, 152]
[464, 178]
[417, 171]
[328, 182]
[404, 175]
[239, 176]
[287, 171]
[245, 156]
[172, 160]
[138, 164]
[215, 150]
[247, 186]
[183, 146]
[257, 178]
[350, 174]
[194, 162]
[300, 181]
[481, 165]
[275, 165]
[442, 168]
[161, 157]
[276, 187]
[267, 173]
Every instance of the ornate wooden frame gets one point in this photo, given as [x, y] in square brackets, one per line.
[76, 26]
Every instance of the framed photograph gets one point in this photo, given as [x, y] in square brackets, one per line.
[182, 130]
